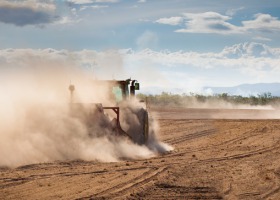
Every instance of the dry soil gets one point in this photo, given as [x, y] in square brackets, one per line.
[218, 154]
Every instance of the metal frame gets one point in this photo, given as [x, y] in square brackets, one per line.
[116, 110]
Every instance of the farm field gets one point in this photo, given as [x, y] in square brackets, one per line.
[218, 154]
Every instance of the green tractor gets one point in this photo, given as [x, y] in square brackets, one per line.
[95, 116]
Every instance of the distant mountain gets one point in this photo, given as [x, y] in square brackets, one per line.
[246, 89]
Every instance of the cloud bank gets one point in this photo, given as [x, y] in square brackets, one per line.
[255, 61]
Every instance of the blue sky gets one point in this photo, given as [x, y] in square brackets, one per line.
[166, 44]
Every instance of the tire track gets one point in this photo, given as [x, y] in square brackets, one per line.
[191, 136]
[228, 142]
[182, 127]
[243, 155]
[140, 183]
[120, 190]
[231, 157]
[242, 138]
[10, 182]
[275, 189]
[167, 191]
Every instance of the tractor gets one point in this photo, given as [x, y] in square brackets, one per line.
[95, 115]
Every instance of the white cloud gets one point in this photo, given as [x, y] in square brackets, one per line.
[232, 12]
[106, 1]
[263, 22]
[94, 7]
[80, 1]
[74, 12]
[208, 22]
[213, 22]
[67, 20]
[98, 7]
[170, 21]
[261, 38]
[250, 50]
[92, 1]
[142, 1]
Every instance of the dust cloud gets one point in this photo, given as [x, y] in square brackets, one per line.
[220, 109]
[213, 109]
[221, 104]
[36, 124]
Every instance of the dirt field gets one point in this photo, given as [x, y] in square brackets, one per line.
[218, 154]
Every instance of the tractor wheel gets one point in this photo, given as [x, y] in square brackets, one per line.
[139, 132]
[145, 126]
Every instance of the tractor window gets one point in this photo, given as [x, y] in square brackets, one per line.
[137, 86]
[117, 93]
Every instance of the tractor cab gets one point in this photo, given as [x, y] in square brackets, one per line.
[124, 89]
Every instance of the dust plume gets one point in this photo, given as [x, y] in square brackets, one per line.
[192, 102]
[36, 121]
[133, 112]
[221, 109]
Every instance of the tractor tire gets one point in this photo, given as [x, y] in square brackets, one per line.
[139, 132]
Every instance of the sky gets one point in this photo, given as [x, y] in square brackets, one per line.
[167, 45]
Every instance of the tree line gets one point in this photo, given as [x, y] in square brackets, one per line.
[184, 99]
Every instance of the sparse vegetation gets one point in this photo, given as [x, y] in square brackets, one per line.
[183, 100]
